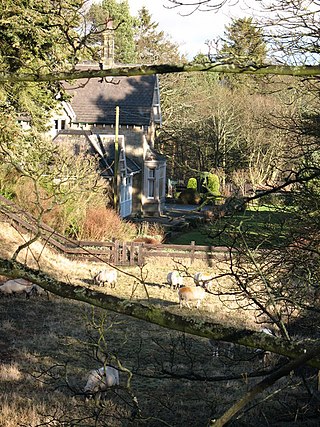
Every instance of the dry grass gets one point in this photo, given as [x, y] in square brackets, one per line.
[46, 351]
[103, 224]
[154, 274]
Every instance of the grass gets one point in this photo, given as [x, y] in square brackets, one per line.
[47, 348]
[260, 227]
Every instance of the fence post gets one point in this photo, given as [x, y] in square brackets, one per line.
[116, 252]
[131, 253]
[140, 254]
[124, 253]
[192, 251]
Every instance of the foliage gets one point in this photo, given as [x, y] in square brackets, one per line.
[153, 46]
[192, 183]
[36, 36]
[243, 43]
[212, 184]
[149, 229]
[104, 224]
[123, 23]
[46, 180]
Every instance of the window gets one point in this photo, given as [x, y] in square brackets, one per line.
[59, 124]
[162, 184]
[151, 183]
[122, 163]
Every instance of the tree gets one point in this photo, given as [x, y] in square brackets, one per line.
[46, 179]
[243, 43]
[292, 30]
[265, 281]
[290, 26]
[123, 23]
[37, 36]
[152, 45]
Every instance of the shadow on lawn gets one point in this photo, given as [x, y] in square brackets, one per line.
[265, 229]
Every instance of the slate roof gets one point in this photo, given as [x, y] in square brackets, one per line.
[105, 148]
[109, 150]
[95, 100]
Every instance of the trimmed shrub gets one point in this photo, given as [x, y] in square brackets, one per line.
[213, 184]
[192, 183]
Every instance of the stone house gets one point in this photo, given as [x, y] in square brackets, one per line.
[87, 123]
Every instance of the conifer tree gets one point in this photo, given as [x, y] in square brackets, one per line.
[123, 23]
[243, 43]
[153, 46]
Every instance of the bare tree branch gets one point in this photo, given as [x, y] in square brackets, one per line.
[264, 384]
[136, 70]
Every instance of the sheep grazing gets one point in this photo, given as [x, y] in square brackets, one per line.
[106, 276]
[175, 280]
[36, 290]
[101, 379]
[191, 293]
[15, 286]
[203, 280]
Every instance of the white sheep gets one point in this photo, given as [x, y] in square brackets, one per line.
[203, 280]
[174, 279]
[100, 379]
[37, 290]
[191, 293]
[15, 286]
[106, 276]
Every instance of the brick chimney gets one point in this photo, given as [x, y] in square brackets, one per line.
[107, 59]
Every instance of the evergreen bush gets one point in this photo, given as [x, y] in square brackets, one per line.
[213, 184]
[192, 183]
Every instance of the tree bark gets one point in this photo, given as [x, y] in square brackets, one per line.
[140, 70]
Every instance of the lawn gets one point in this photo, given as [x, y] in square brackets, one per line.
[263, 227]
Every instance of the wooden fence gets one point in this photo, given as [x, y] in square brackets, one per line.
[117, 253]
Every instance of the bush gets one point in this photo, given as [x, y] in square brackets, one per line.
[189, 197]
[151, 230]
[8, 180]
[104, 224]
[213, 184]
[192, 183]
